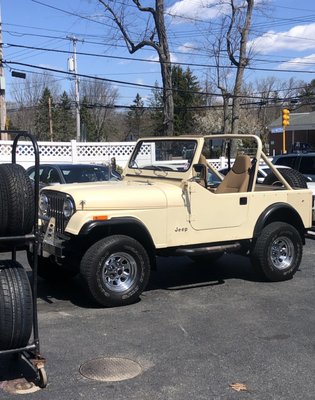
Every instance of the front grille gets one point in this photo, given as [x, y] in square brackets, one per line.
[55, 209]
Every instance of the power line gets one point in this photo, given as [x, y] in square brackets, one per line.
[71, 13]
[268, 61]
[97, 77]
[139, 84]
[159, 62]
[244, 105]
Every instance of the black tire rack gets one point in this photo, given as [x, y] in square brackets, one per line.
[19, 229]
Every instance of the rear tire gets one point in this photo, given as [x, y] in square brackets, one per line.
[16, 306]
[116, 270]
[277, 252]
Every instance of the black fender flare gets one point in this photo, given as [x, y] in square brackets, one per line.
[279, 212]
[88, 227]
[130, 226]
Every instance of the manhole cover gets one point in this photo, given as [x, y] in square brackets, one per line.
[110, 369]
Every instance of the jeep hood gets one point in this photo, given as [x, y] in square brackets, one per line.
[119, 195]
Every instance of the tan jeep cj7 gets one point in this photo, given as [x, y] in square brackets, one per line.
[171, 201]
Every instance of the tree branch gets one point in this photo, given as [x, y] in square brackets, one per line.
[145, 9]
[131, 46]
[229, 33]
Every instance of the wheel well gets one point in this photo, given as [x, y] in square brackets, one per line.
[92, 232]
[280, 213]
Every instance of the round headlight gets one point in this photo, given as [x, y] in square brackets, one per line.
[68, 208]
[43, 204]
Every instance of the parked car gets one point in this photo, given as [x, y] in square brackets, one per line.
[302, 162]
[51, 174]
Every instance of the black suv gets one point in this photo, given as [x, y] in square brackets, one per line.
[302, 162]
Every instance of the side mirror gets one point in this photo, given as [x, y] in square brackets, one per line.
[201, 173]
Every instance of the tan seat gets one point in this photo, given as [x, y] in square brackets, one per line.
[237, 179]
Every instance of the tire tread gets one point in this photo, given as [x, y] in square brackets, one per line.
[19, 198]
[258, 255]
[16, 305]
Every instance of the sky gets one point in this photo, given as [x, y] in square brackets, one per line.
[282, 37]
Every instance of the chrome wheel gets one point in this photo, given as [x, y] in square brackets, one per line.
[116, 270]
[282, 253]
[119, 272]
[277, 252]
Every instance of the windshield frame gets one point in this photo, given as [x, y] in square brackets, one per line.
[171, 155]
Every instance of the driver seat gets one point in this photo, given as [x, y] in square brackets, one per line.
[237, 179]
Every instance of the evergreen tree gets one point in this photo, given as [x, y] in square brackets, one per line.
[185, 93]
[135, 118]
[44, 116]
[65, 129]
[87, 125]
[156, 110]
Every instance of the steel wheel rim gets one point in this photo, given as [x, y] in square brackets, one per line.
[282, 251]
[119, 271]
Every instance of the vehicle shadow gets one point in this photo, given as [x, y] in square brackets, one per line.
[172, 273]
[72, 290]
[183, 274]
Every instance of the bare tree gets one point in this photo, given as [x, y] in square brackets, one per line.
[154, 35]
[222, 76]
[99, 98]
[228, 47]
[27, 93]
[236, 41]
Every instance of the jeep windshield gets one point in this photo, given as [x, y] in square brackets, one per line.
[174, 155]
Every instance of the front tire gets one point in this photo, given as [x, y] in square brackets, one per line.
[116, 270]
[277, 252]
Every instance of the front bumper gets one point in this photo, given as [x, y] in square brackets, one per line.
[51, 243]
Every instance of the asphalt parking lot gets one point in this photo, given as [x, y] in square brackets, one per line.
[196, 331]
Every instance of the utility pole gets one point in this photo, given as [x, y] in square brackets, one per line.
[3, 110]
[73, 68]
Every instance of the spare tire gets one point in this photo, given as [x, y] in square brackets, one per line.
[16, 306]
[17, 199]
[293, 177]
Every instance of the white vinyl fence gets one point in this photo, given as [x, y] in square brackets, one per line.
[77, 152]
[67, 152]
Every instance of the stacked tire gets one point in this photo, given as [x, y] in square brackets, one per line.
[16, 201]
[16, 219]
[16, 306]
